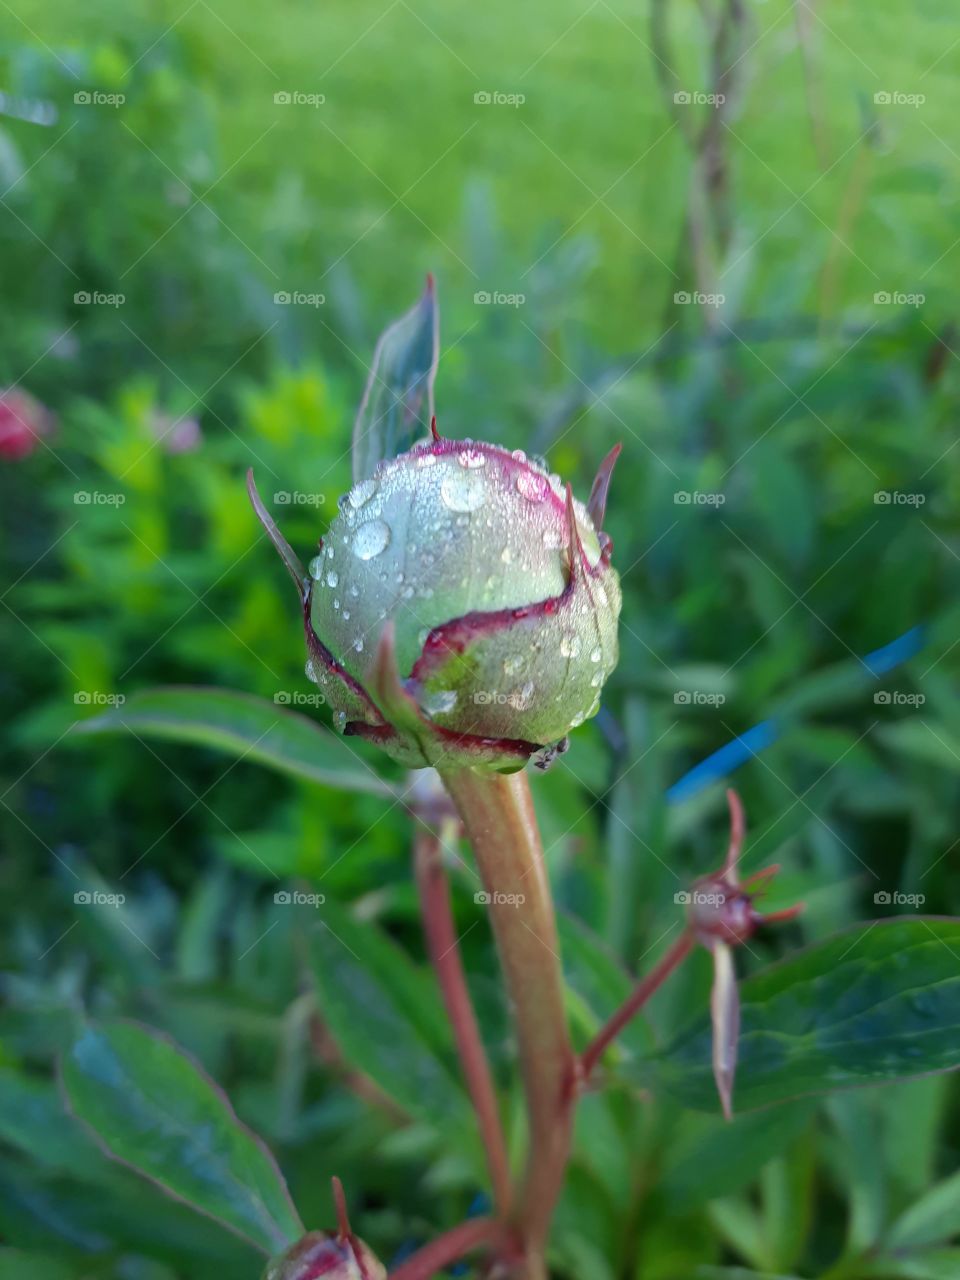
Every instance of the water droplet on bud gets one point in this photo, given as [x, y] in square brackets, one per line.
[596, 654]
[532, 486]
[463, 491]
[569, 645]
[332, 579]
[471, 459]
[512, 665]
[361, 493]
[440, 701]
[316, 567]
[370, 539]
[339, 721]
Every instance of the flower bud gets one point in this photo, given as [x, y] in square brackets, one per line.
[462, 609]
[326, 1255]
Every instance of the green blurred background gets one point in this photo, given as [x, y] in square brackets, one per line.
[785, 504]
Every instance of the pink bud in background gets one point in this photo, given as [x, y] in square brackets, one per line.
[23, 422]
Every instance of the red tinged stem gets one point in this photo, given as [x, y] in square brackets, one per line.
[443, 945]
[343, 1218]
[449, 1248]
[498, 816]
[738, 832]
[642, 993]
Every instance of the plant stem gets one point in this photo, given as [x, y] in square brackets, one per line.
[497, 812]
[451, 1246]
[444, 951]
[641, 994]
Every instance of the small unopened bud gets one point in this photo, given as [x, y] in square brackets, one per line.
[326, 1255]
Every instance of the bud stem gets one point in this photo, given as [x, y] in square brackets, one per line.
[450, 1247]
[497, 812]
[442, 943]
[635, 1002]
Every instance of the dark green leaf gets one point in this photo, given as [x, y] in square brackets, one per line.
[387, 1018]
[154, 1110]
[876, 1003]
[247, 727]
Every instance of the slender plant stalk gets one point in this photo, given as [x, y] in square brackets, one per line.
[444, 951]
[635, 1002]
[450, 1247]
[497, 812]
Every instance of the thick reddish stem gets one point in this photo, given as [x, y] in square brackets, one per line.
[449, 1248]
[497, 812]
[641, 994]
[442, 944]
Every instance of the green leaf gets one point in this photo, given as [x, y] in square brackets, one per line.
[247, 727]
[154, 1110]
[392, 414]
[598, 983]
[387, 1019]
[933, 1219]
[15, 1265]
[875, 1003]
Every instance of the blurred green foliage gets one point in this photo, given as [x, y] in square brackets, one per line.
[199, 199]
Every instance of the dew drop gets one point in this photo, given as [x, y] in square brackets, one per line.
[353, 590]
[339, 721]
[512, 665]
[552, 539]
[358, 644]
[425, 459]
[577, 720]
[527, 691]
[596, 654]
[332, 579]
[463, 491]
[309, 671]
[330, 551]
[532, 486]
[346, 615]
[361, 493]
[370, 539]
[506, 555]
[336, 603]
[596, 680]
[472, 459]
[422, 636]
[407, 593]
[601, 593]
[316, 567]
[569, 645]
[440, 702]
[519, 455]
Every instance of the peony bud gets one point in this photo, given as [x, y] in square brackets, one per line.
[326, 1255]
[462, 609]
[23, 423]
